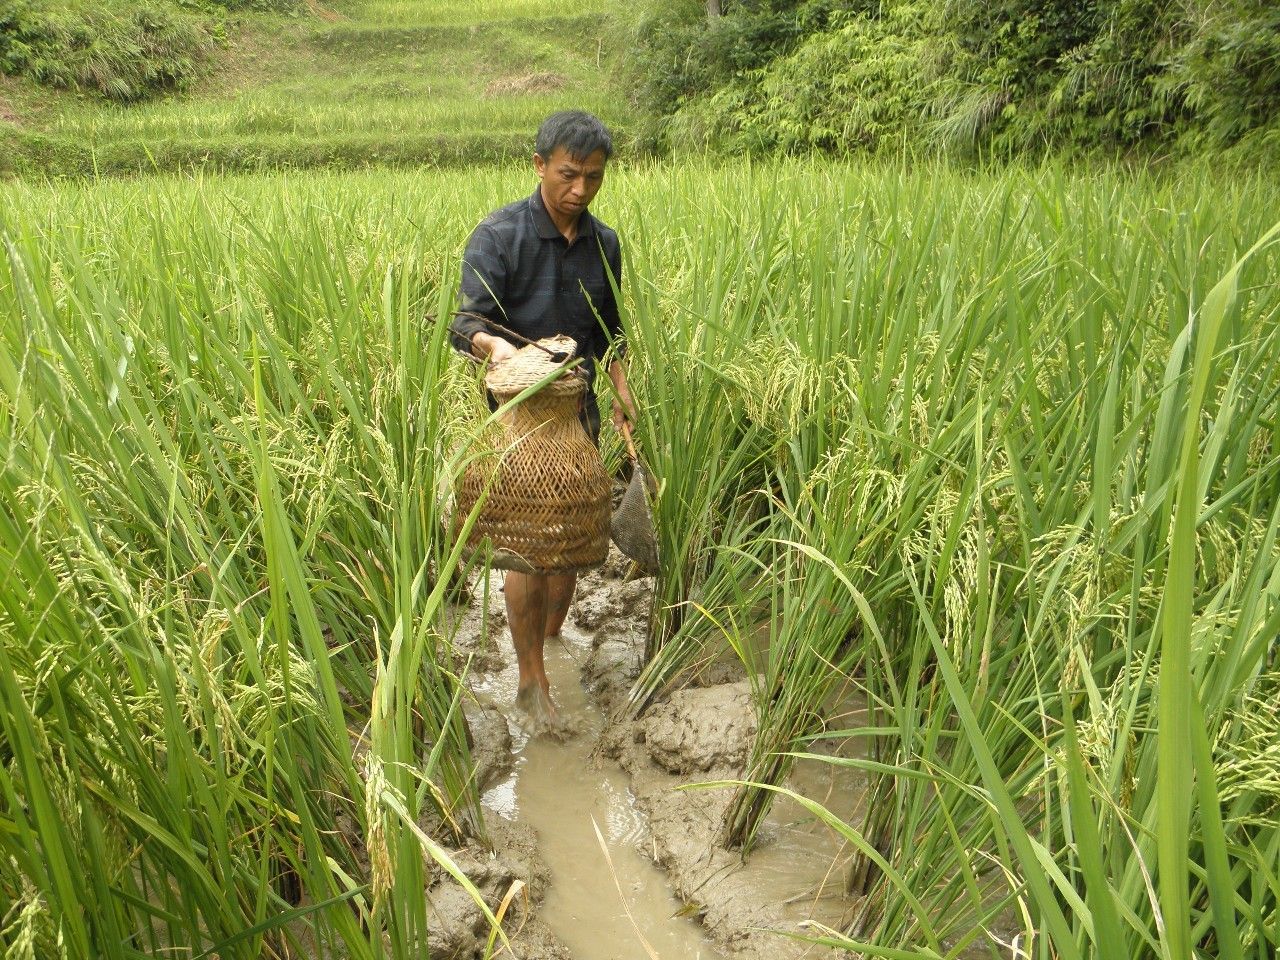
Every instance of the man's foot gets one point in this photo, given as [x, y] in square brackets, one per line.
[536, 704]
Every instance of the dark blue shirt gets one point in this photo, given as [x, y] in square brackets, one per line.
[519, 271]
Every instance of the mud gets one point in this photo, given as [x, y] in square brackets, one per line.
[795, 874]
[529, 83]
[605, 900]
[547, 795]
[458, 929]
[701, 729]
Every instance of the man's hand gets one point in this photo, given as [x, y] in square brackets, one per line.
[624, 408]
[495, 348]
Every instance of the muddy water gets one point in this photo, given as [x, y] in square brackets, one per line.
[799, 863]
[558, 790]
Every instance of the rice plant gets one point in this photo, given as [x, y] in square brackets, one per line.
[994, 454]
[230, 706]
[970, 410]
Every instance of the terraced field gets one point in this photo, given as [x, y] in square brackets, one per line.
[349, 84]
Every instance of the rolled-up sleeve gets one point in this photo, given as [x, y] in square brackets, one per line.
[484, 283]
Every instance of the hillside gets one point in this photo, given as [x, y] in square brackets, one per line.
[347, 83]
[966, 78]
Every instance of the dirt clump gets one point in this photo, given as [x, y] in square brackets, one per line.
[607, 674]
[474, 647]
[610, 603]
[701, 728]
[528, 83]
[490, 744]
[458, 928]
[612, 606]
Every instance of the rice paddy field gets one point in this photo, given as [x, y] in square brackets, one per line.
[1002, 450]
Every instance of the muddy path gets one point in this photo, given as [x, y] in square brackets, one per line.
[618, 861]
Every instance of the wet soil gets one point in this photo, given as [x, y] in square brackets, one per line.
[621, 861]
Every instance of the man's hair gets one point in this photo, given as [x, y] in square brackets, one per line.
[580, 133]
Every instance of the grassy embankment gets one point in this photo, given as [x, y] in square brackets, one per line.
[951, 435]
[342, 84]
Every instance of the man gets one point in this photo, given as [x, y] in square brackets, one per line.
[539, 267]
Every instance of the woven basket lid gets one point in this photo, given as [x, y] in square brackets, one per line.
[532, 365]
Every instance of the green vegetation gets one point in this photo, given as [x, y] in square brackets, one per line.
[123, 51]
[220, 536]
[965, 450]
[368, 82]
[998, 451]
[263, 84]
[1009, 77]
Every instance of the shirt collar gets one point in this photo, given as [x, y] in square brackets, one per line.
[547, 230]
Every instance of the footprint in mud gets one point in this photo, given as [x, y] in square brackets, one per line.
[538, 717]
[535, 703]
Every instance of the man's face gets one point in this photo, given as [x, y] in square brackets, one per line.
[569, 184]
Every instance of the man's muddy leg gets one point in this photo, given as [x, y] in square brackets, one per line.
[559, 596]
[526, 596]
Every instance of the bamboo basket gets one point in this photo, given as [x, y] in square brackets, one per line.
[548, 504]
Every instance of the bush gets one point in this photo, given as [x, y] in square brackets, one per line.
[1229, 72]
[850, 88]
[123, 51]
[677, 55]
[1003, 76]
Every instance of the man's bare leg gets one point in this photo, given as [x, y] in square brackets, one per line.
[559, 596]
[526, 596]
